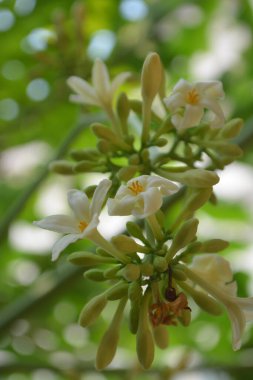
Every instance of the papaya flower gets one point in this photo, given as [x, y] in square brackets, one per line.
[84, 222]
[188, 101]
[101, 92]
[141, 196]
[213, 274]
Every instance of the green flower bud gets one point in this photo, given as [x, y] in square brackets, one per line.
[196, 199]
[126, 244]
[196, 178]
[151, 77]
[147, 269]
[136, 231]
[105, 133]
[135, 291]
[94, 275]
[227, 149]
[85, 166]
[105, 146]
[127, 172]
[144, 336]
[117, 291]
[231, 129]
[131, 272]
[160, 264]
[123, 109]
[185, 234]
[87, 259]
[134, 159]
[179, 275]
[108, 345]
[134, 317]
[214, 245]
[61, 167]
[85, 154]
[161, 142]
[92, 310]
[161, 336]
[112, 272]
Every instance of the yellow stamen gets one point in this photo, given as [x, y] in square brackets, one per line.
[136, 187]
[82, 225]
[192, 97]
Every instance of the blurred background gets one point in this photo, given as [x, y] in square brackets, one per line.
[43, 42]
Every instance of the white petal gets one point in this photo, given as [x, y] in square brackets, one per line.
[80, 204]
[92, 227]
[237, 323]
[182, 86]
[121, 207]
[101, 80]
[99, 196]
[192, 116]
[175, 101]
[152, 201]
[118, 81]
[166, 186]
[62, 243]
[58, 223]
[84, 89]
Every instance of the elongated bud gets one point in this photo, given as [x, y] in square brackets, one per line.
[147, 269]
[232, 128]
[126, 244]
[134, 313]
[108, 345]
[197, 199]
[117, 291]
[199, 178]
[61, 167]
[185, 234]
[104, 146]
[231, 150]
[136, 231]
[131, 272]
[105, 133]
[179, 275]
[144, 337]
[123, 110]
[85, 166]
[151, 77]
[214, 245]
[128, 172]
[92, 310]
[112, 272]
[87, 259]
[161, 142]
[84, 154]
[94, 275]
[161, 336]
[203, 300]
[135, 291]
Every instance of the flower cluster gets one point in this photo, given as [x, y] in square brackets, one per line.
[156, 265]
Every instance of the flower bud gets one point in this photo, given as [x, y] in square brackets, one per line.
[227, 149]
[123, 108]
[147, 269]
[231, 129]
[185, 234]
[151, 77]
[108, 345]
[105, 146]
[199, 178]
[92, 310]
[94, 275]
[185, 317]
[134, 159]
[160, 264]
[214, 245]
[127, 172]
[144, 336]
[136, 231]
[87, 259]
[84, 154]
[161, 336]
[161, 142]
[135, 291]
[179, 275]
[126, 244]
[85, 166]
[105, 133]
[112, 272]
[131, 272]
[117, 291]
[134, 317]
[61, 167]
[196, 199]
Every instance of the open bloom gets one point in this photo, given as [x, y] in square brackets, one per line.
[188, 101]
[214, 275]
[102, 91]
[141, 196]
[84, 222]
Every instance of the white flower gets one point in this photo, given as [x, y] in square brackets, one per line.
[214, 275]
[141, 196]
[84, 222]
[102, 91]
[189, 100]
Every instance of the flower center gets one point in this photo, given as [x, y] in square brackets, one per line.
[192, 97]
[82, 225]
[136, 187]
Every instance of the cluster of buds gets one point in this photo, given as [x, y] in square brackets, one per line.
[157, 264]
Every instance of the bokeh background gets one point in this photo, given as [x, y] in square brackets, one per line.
[42, 43]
